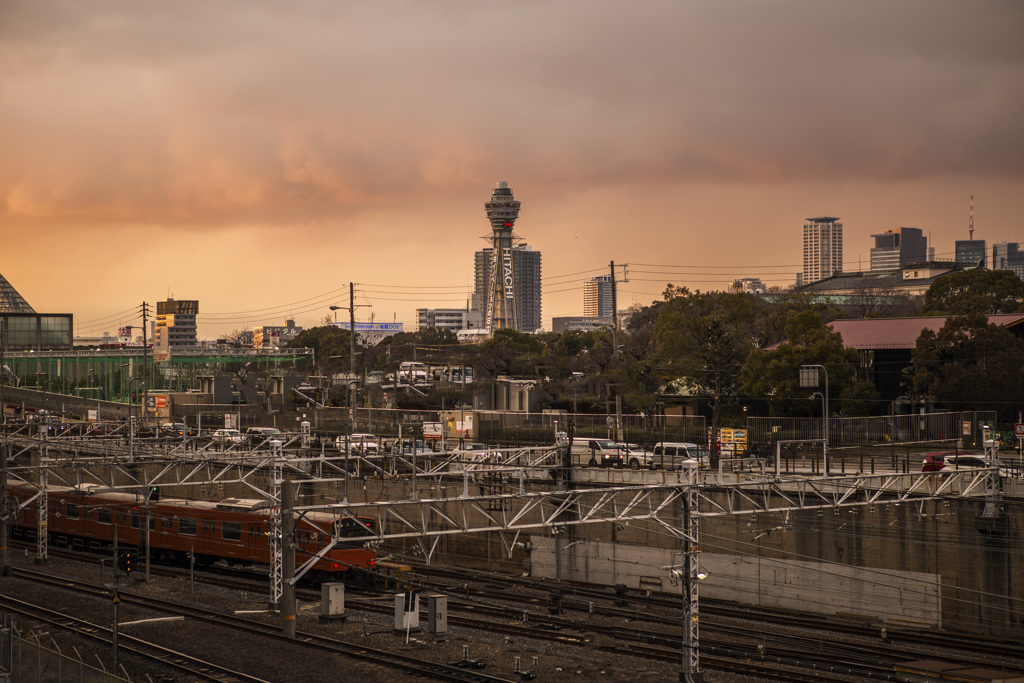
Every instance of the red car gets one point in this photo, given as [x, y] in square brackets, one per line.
[933, 462]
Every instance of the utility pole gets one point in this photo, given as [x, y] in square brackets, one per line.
[615, 313]
[352, 328]
[4, 559]
[3, 348]
[690, 576]
[615, 351]
[287, 605]
[145, 363]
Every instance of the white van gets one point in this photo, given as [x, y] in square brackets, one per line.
[672, 454]
[596, 453]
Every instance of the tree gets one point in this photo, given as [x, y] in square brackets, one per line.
[775, 374]
[512, 353]
[975, 291]
[331, 345]
[970, 364]
[239, 339]
[704, 339]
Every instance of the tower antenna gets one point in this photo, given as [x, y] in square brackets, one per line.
[970, 223]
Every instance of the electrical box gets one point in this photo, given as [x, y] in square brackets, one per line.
[437, 616]
[332, 601]
[407, 611]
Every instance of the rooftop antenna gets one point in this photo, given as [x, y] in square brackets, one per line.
[970, 223]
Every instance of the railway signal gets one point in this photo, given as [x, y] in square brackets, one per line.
[125, 561]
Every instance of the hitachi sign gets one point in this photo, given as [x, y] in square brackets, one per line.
[507, 259]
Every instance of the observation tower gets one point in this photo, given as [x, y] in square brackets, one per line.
[502, 211]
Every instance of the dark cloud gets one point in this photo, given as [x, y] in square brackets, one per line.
[121, 109]
[381, 127]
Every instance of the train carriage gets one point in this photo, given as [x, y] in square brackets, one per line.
[236, 530]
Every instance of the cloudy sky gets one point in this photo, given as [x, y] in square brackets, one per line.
[259, 156]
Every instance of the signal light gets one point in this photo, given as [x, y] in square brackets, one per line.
[125, 560]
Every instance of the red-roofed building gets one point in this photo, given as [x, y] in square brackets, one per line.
[886, 345]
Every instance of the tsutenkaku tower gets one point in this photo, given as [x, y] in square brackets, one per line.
[502, 211]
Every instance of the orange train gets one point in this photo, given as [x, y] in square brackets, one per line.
[235, 529]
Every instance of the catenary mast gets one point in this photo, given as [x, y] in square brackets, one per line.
[502, 211]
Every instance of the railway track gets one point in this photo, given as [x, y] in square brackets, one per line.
[405, 663]
[870, 648]
[179, 661]
[735, 647]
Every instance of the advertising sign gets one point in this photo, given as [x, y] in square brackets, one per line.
[94, 415]
[967, 427]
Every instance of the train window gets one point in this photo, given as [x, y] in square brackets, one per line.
[209, 526]
[72, 511]
[254, 531]
[121, 516]
[137, 521]
[231, 531]
[166, 522]
[349, 528]
[187, 526]
[103, 516]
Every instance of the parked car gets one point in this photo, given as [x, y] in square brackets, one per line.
[259, 436]
[596, 453]
[675, 454]
[411, 447]
[176, 429]
[227, 437]
[359, 443]
[935, 462]
[635, 457]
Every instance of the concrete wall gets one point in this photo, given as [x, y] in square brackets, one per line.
[820, 587]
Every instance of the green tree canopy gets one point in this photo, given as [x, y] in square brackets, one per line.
[975, 291]
[970, 364]
[703, 339]
[330, 344]
[774, 374]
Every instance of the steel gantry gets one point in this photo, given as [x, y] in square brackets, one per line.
[530, 501]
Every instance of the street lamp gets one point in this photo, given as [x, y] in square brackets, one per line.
[809, 378]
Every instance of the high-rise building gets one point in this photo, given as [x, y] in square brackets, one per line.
[749, 285]
[896, 248]
[453, 319]
[597, 297]
[526, 297]
[823, 248]
[1005, 255]
[175, 323]
[971, 252]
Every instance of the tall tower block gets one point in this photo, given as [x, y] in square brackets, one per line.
[502, 212]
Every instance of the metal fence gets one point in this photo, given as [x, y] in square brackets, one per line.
[35, 657]
[966, 426]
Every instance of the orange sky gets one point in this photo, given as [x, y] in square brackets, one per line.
[260, 156]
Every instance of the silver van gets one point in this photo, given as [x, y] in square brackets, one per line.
[673, 454]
